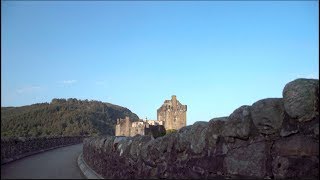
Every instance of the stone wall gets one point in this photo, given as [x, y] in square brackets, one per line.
[274, 138]
[137, 128]
[125, 127]
[16, 148]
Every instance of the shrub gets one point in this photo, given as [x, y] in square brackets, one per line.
[169, 131]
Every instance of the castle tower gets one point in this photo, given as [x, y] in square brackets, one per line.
[123, 127]
[174, 101]
[173, 114]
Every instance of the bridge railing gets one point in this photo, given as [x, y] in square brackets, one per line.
[16, 148]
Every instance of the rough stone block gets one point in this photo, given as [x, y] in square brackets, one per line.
[296, 167]
[267, 115]
[301, 98]
[247, 161]
[296, 145]
[238, 124]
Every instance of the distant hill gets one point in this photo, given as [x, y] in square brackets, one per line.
[62, 117]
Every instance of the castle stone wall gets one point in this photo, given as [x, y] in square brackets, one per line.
[173, 114]
[137, 128]
[125, 127]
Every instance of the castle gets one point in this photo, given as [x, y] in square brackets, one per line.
[171, 115]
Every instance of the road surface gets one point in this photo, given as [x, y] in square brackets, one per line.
[60, 163]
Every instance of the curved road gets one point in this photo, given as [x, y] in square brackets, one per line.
[60, 163]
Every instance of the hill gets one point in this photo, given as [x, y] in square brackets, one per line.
[62, 117]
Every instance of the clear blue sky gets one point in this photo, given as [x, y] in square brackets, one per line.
[215, 56]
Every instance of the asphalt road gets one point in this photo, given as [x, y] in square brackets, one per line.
[58, 163]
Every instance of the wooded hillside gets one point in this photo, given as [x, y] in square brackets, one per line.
[62, 117]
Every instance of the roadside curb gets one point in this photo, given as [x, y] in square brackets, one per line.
[17, 157]
[86, 170]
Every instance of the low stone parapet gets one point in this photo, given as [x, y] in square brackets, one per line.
[16, 148]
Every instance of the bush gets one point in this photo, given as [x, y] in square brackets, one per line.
[169, 131]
